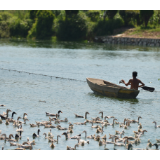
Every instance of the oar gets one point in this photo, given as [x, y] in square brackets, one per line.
[150, 89]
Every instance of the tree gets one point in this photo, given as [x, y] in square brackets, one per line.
[111, 13]
[137, 17]
[56, 12]
[93, 15]
[126, 15]
[72, 28]
[146, 15]
[71, 12]
[42, 28]
[32, 14]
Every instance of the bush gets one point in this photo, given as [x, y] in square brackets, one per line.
[4, 29]
[146, 15]
[155, 19]
[107, 27]
[5, 16]
[19, 28]
[111, 13]
[73, 28]
[93, 15]
[42, 28]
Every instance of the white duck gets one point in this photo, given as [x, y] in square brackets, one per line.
[19, 129]
[82, 142]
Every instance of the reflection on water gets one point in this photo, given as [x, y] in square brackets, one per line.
[74, 45]
[132, 101]
[23, 91]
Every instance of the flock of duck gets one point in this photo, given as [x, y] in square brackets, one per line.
[97, 123]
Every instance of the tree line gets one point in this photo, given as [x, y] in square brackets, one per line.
[72, 24]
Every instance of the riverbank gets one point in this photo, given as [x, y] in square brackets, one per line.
[133, 36]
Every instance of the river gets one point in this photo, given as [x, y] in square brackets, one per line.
[28, 72]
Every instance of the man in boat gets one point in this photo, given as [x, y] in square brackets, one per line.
[134, 82]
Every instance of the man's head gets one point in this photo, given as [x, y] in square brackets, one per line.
[134, 74]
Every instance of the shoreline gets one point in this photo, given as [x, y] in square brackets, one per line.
[114, 39]
[118, 39]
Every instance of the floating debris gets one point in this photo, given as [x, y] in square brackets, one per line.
[42, 101]
[2, 105]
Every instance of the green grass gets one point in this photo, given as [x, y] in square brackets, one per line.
[149, 28]
[142, 30]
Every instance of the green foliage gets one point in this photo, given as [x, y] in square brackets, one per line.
[72, 24]
[107, 27]
[5, 16]
[54, 39]
[4, 24]
[19, 28]
[73, 28]
[4, 29]
[146, 15]
[94, 15]
[71, 12]
[155, 19]
[128, 16]
[136, 16]
[42, 28]
[32, 14]
[32, 32]
[21, 14]
[56, 12]
[111, 13]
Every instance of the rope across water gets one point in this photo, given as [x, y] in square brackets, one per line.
[41, 74]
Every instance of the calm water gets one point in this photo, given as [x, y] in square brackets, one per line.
[21, 91]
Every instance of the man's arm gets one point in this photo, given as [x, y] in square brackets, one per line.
[129, 82]
[142, 84]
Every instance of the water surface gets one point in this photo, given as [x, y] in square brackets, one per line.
[40, 62]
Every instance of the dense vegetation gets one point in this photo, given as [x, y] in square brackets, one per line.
[72, 24]
[42, 27]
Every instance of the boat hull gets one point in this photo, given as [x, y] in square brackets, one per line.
[110, 89]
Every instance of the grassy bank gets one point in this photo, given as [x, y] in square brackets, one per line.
[139, 32]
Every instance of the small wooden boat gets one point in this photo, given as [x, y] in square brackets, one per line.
[110, 89]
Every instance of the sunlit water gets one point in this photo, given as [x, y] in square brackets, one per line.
[21, 91]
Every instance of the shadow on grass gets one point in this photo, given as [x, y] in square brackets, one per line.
[148, 27]
[121, 30]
